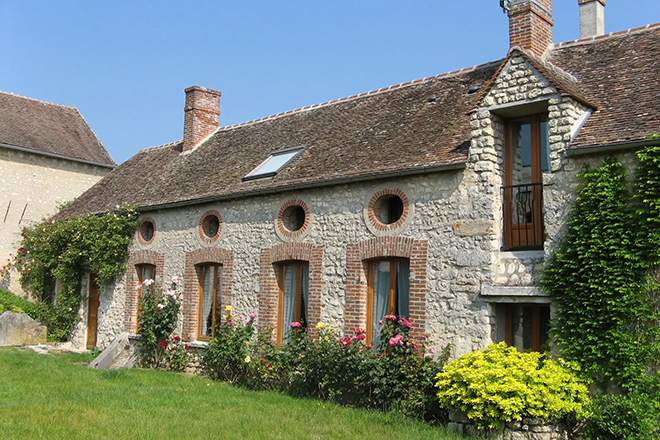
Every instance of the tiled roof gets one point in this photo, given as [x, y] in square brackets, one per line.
[49, 128]
[420, 125]
[414, 126]
[618, 73]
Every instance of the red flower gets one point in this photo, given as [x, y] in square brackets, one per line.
[187, 347]
[176, 339]
[163, 344]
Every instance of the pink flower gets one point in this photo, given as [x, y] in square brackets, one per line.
[229, 323]
[253, 315]
[432, 350]
[296, 324]
[380, 322]
[390, 318]
[405, 322]
[175, 279]
[170, 292]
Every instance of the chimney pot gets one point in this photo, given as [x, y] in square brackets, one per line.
[201, 115]
[592, 18]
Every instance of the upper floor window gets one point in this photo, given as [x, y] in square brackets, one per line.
[293, 280]
[387, 293]
[526, 157]
[209, 299]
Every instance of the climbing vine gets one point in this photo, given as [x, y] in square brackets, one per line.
[601, 274]
[64, 250]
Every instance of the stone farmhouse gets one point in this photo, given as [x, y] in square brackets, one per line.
[49, 155]
[439, 199]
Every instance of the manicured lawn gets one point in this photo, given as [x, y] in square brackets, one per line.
[51, 397]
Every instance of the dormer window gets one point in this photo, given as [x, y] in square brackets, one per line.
[271, 166]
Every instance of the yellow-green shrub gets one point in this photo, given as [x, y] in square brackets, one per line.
[500, 384]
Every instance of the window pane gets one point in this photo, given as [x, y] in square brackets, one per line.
[288, 300]
[304, 285]
[273, 163]
[206, 315]
[402, 288]
[545, 151]
[381, 298]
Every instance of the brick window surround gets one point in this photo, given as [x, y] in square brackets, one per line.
[375, 204]
[141, 239]
[358, 254]
[269, 288]
[200, 227]
[135, 259]
[191, 285]
[280, 222]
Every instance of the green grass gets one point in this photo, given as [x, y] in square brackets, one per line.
[52, 397]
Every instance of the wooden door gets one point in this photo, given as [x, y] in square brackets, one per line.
[93, 311]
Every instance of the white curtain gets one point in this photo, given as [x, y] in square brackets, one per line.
[208, 277]
[381, 290]
[289, 301]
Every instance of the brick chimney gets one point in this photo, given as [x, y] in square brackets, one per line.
[592, 18]
[530, 25]
[202, 115]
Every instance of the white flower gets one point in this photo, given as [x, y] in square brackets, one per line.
[247, 359]
[160, 306]
[148, 282]
[170, 292]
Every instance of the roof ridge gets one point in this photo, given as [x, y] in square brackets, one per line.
[605, 36]
[112, 159]
[40, 100]
[360, 95]
[157, 147]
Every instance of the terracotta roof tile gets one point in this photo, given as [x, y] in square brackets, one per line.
[49, 128]
[386, 131]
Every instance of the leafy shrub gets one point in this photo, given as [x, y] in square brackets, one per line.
[625, 417]
[398, 377]
[158, 317]
[14, 303]
[228, 354]
[500, 384]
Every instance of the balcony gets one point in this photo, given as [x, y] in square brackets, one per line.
[523, 221]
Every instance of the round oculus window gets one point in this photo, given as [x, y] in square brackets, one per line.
[210, 226]
[147, 230]
[293, 218]
[388, 209]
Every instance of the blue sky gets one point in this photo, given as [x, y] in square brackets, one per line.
[125, 64]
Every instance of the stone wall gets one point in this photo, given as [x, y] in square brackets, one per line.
[451, 230]
[452, 223]
[34, 186]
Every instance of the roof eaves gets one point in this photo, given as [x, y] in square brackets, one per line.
[57, 156]
[316, 184]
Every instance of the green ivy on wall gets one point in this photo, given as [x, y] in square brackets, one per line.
[65, 250]
[607, 318]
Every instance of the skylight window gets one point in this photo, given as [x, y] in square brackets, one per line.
[274, 162]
